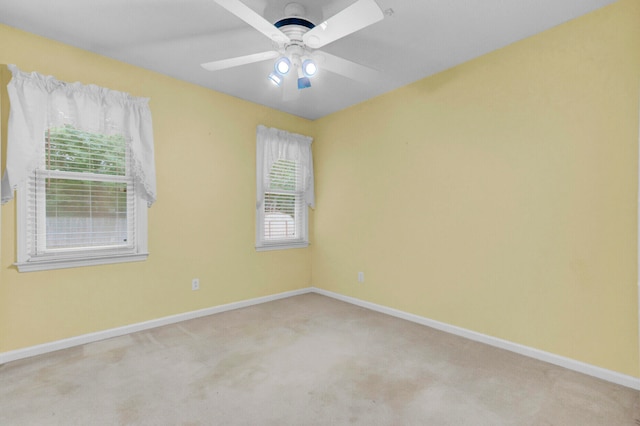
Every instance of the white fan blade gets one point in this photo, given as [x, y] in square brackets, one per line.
[240, 60]
[249, 16]
[355, 17]
[338, 65]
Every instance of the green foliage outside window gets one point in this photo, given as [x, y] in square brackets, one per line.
[70, 150]
[282, 177]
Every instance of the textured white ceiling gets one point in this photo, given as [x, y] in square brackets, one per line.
[173, 37]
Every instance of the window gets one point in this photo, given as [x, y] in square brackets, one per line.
[284, 209]
[284, 189]
[82, 194]
[81, 199]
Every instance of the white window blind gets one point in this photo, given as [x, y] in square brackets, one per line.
[81, 196]
[284, 206]
[284, 172]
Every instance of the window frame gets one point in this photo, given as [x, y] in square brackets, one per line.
[301, 212]
[28, 261]
[274, 145]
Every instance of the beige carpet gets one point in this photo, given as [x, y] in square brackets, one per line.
[306, 360]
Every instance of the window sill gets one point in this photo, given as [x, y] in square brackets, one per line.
[292, 245]
[48, 264]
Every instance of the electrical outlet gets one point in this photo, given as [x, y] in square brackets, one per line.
[360, 277]
[195, 284]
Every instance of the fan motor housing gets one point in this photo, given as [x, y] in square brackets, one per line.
[294, 27]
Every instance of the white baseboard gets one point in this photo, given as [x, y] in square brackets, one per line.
[132, 328]
[581, 367]
[571, 364]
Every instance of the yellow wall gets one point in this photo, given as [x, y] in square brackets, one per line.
[201, 226]
[500, 195]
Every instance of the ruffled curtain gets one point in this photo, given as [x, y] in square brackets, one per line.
[41, 102]
[273, 145]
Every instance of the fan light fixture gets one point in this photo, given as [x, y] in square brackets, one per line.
[303, 80]
[303, 83]
[309, 68]
[275, 79]
[282, 65]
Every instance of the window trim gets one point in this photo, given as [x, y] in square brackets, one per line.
[45, 265]
[290, 245]
[292, 147]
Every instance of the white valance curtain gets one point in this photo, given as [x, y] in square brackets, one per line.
[273, 145]
[41, 102]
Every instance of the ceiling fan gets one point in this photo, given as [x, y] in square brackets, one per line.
[296, 40]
